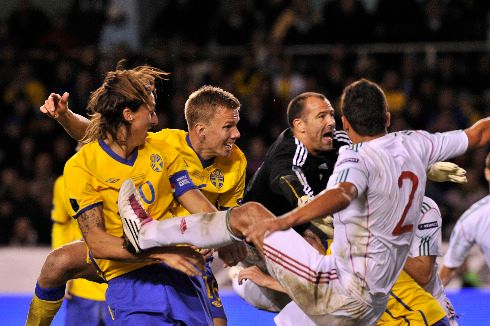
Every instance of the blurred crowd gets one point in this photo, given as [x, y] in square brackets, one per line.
[243, 47]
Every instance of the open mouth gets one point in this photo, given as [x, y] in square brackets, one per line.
[328, 135]
[229, 146]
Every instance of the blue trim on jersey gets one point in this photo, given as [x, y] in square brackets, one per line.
[408, 308]
[118, 158]
[86, 209]
[99, 271]
[182, 182]
[404, 318]
[205, 163]
[47, 294]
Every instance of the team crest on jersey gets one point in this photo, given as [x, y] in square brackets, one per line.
[156, 162]
[217, 178]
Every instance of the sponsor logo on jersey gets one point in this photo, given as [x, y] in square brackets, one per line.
[217, 178]
[347, 160]
[323, 166]
[183, 225]
[74, 204]
[430, 225]
[156, 162]
[112, 180]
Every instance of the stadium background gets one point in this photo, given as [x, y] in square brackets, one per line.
[431, 57]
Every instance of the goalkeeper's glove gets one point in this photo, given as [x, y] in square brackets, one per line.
[446, 171]
[303, 200]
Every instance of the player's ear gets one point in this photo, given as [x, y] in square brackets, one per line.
[345, 123]
[487, 174]
[127, 115]
[200, 130]
[299, 125]
[388, 120]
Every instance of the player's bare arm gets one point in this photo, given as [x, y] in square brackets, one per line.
[326, 203]
[479, 133]
[420, 268]
[56, 107]
[447, 274]
[254, 274]
[195, 202]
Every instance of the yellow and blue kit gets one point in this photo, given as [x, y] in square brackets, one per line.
[221, 180]
[410, 304]
[138, 292]
[87, 304]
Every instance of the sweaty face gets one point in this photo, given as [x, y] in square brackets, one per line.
[222, 132]
[143, 121]
[319, 122]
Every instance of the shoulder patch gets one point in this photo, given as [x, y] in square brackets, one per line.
[430, 225]
[347, 160]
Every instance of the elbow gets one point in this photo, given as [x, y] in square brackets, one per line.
[424, 278]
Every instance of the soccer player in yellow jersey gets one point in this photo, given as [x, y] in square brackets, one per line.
[85, 304]
[140, 291]
[214, 163]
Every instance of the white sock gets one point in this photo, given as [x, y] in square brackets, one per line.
[204, 230]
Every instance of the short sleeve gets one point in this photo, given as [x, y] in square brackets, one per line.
[459, 245]
[58, 212]
[428, 236]
[446, 145]
[349, 168]
[80, 190]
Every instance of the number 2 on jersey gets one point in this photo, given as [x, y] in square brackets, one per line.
[400, 228]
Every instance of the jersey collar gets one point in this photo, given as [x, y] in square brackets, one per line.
[118, 158]
[205, 163]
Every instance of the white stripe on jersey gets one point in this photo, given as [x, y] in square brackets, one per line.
[342, 136]
[299, 159]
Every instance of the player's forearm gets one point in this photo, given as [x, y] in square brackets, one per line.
[447, 274]
[326, 203]
[106, 246]
[420, 269]
[74, 124]
[195, 202]
[479, 133]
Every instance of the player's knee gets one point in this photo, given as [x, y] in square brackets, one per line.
[59, 267]
[254, 210]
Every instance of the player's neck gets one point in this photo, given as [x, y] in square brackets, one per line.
[199, 147]
[356, 138]
[122, 149]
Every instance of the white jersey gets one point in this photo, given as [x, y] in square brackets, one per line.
[472, 227]
[427, 241]
[373, 234]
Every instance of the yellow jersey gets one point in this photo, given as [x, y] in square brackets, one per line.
[94, 175]
[410, 304]
[221, 180]
[65, 230]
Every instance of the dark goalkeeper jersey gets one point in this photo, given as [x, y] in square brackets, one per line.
[289, 172]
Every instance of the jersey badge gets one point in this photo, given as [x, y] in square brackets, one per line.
[156, 162]
[323, 166]
[217, 178]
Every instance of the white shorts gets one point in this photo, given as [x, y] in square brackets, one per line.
[313, 282]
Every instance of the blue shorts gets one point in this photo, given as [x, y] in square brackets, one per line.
[216, 305]
[443, 322]
[158, 295]
[85, 312]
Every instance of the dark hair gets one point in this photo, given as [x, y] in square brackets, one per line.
[202, 104]
[363, 104]
[296, 105]
[121, 89]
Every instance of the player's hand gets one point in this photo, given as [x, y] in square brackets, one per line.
[232, 254]
[55, 105]
[446, 171]
[325, 225]
[182, 258]
[257, 231]
[254, 274]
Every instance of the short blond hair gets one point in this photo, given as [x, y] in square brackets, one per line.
[201, 106]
